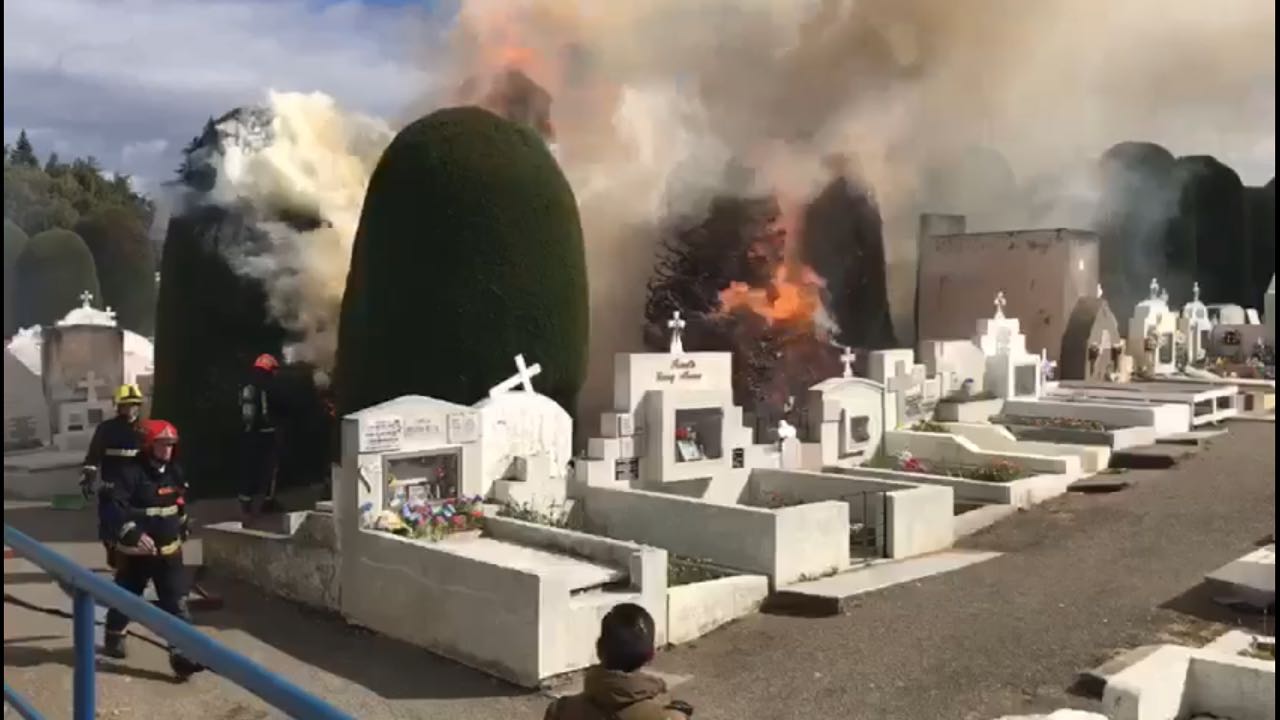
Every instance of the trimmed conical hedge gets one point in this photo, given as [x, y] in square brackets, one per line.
[210, 325]
[126, 265]
[15, 241]
[1213, 218]
[469, 251]
[52, 272]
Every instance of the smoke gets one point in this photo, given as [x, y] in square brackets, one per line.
[299, 167]
[651, 99]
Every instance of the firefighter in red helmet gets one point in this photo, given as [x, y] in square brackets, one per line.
[148, 519]
[260, 445]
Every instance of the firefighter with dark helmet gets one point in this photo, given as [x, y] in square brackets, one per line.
[115, 442]
[147, 515]
[260, 444]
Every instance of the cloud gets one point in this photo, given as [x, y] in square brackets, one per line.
[131, 81]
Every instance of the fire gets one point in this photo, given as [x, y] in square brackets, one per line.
[792, 294]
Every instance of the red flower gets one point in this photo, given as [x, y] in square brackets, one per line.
[682, 433]
[459, 521]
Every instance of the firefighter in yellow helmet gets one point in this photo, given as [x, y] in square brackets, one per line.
[115, 443]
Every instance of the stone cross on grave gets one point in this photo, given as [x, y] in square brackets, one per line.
[91, 383]
[1195, 292]
[1155, 289]
[676, 324]
[1000, 302]
[86, 299]
[524, 376]
[848, 358]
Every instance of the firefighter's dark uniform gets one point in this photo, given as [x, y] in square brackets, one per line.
[115, 444]
[260, 442]
[150, 499]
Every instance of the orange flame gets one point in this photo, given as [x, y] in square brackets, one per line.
[793, 295]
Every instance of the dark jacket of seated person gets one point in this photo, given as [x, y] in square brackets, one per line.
[616, 689]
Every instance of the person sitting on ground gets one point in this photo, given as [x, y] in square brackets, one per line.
[616, 689]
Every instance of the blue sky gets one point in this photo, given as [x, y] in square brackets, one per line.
[131, 81]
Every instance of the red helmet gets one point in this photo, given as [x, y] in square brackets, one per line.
[154, 431]
[267, 362]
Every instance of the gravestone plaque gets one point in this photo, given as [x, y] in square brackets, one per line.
[739, 458]
[1024, 379]
[626, 469]
[381, 434]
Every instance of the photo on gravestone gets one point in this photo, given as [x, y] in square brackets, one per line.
[423, 476]
[739, 458]
[1166, 349]
[859, 429]
[1024, 379]
[698, 434]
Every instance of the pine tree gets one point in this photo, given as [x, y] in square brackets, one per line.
[52, 166]
[23, 155]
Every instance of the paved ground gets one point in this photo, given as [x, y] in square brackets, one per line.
[1083, 577]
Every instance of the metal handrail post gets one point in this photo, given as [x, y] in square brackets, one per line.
[82, 637]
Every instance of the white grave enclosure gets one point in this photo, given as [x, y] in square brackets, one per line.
[846, 419]
[1153, 335]
[522, 602]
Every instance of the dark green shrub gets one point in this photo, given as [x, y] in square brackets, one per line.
[52, 272]
[469, 251]
[210, 325]
[15, 241]
[126, 265]
[1212, 213]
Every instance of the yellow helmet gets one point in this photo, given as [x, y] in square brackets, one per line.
[128, 394]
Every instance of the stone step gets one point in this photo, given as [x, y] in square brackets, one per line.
[1108, 482]
[833, 595]
[1151, 457]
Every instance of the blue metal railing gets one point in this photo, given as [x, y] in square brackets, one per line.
[87, 589]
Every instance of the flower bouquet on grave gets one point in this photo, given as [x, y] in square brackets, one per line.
[909, 463]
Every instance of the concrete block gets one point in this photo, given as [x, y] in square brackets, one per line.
[696, 609]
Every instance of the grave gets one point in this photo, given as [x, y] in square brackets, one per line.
[26, 415]
[519, 600]
[1092, 346]
[911, 394]
[1196, 327]
[1205, 403]
[846, 417]
[1153, 335]
[1011, 371]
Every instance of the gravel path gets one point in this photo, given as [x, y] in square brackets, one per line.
[1083, 576]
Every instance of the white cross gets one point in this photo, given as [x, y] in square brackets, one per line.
[524, 376]
[86, 299]
[677, 327]
[1155, 289]
[1195, 292]
[1000, 302]
[91, 383]
[1099, 291]
[847, 358]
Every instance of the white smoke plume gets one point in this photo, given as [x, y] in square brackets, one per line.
[302, 165]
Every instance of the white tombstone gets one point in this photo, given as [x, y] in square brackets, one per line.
[1269, 312]
[912, 393]
[673, 420]
[526, 445]
[1196, 327]
[848, 359]
[26, 415]
[956, 361]
[406, 448]
[847, 417]
[1010, 370]
[1153, 335]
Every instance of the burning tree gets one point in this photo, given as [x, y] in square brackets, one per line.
[736, 276]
